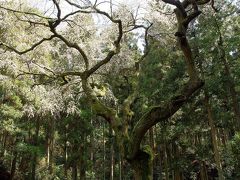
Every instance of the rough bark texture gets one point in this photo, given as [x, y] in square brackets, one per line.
[142, 164]
[214, 138]
[129, 143]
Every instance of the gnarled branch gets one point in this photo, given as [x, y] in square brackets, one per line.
[163, 112]
[29, 49]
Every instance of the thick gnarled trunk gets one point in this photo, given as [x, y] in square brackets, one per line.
[142, 164]
[129, 141]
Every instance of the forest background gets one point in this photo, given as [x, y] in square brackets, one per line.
[120, 89]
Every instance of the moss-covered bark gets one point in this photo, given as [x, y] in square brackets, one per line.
[129, 143]
[142, 164]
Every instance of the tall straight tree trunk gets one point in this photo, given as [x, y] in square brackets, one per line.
[177, 172]
[111, 154]
[13, 166]
[35, 143]
[74, 171]
[165, 161]
[82, 161]
[92, 146]
[4, 142]
[219, 136]
[203, 171]
[224, 137]
[120, 166]
[170, 154]
[230, 82]
[65, 153]
[213, 128]
[51, 145]
[214, 138]
[104, 151]
[202, 175]
[23, 165]
[158, 161]
[231, 130]
[233, 92]
[76, 150]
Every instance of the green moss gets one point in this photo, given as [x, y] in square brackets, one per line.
[147, 149]
[102, 109]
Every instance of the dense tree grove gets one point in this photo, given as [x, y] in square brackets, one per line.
[144, 90]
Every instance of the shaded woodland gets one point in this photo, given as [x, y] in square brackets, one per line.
[120, 90]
